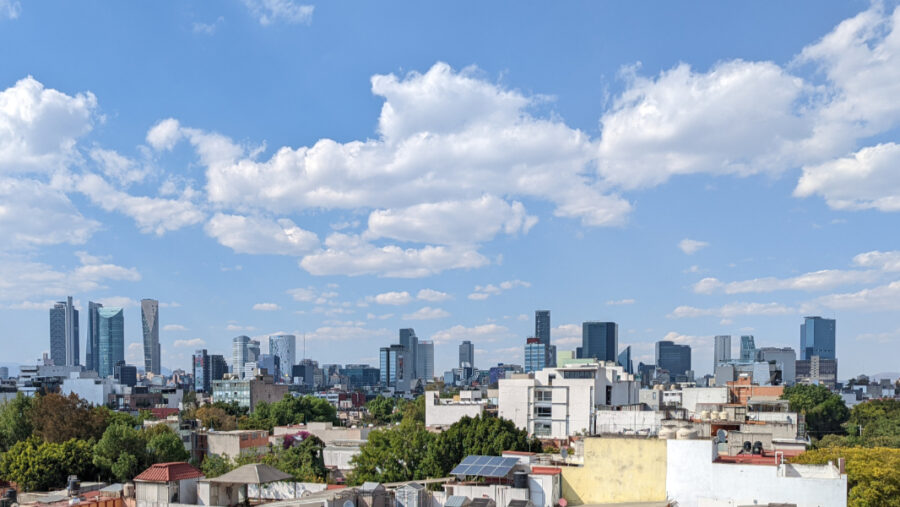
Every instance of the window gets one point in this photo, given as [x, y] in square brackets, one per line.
[543, 396]
[609, 395]
[542, 429]
[543, 411]
[579, 374]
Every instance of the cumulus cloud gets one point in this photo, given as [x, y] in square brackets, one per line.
[195, 342]
[483, 292]
[393, 298]
[255, 235]
[235, 327]
[118, 167]
[866, 179]
[24, 280]
[566, 334]
[691, 246]
[885, 261]
[353, 333]
[34, 214]
[815, 281]
[433, 296]
[285, 11]
[479, 334]
[880, 298]
[174, 327]
[427, 313]
[165, 134]
[266, 307]
[732, 310]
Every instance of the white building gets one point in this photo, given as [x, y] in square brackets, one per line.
[561, 402]
[440, 412]
[88, 387]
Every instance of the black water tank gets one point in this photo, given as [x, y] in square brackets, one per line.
[520, 480]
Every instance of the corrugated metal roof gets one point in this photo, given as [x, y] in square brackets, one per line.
[169, 472]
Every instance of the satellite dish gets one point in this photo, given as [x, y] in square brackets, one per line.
[721, 436]
[564, 452]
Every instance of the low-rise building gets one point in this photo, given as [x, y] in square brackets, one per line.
[248, 392]
[325, 431]
[237, 443]
[445, 412]
[167, 483]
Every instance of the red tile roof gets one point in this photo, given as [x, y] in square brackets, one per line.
[162, 413]
[546, 470]
[169, 472]
[519, 453]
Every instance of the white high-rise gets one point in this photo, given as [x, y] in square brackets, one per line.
[64, 349]
[722, 352]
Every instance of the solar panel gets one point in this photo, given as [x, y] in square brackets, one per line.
[485, 466]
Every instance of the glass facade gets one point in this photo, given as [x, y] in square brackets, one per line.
[676, 359]
[239, 352]
[92, 348]
[817, 338]
[600, 340]
[748, 348]
[150, 321]
[466, 354]
[542, 326]
[624, 360]
[284, 347]
[64, 334]
[111, 328]
[535, 355]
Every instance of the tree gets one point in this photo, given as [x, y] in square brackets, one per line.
[873, 474]
[34, 464]
[304, 460]
[15, 421]
[381, 409]
[290, 410]
[214, 466]
[166, 447]
[211, 416]
[825, 411]
[121, 453]
[58, 418]
[232, 408]
[413, 410]
[393, 455]
[482, 435]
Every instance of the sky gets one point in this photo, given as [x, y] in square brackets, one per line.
[342, 170]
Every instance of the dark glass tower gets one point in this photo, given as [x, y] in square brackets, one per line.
[600, 340]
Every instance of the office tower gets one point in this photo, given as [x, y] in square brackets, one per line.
[239, 352]
[92, 347]
[624, 360]
[409, 340]
[676, 359]
[748, 348]
[111, 332]
[542, 326]
[535, 355]
[125, 374]
[817, 338]
[817, 370]
[395, 368]
[600, 340]
[150, 320]
[207, 368]
[785, 360]
[218, 367]
[466, 354]
[64, 334]
[425, 361]
[284, 347]
[722, 352]
[252, 350]
[4, 373]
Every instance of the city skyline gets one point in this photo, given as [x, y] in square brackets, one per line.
[324, 201]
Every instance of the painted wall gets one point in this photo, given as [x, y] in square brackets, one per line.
[618, 470]
[446, 414]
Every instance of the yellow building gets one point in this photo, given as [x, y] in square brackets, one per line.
[617, 470]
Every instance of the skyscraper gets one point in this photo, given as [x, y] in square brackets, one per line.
[817, 338]
[425, 361]
[395, 368]
[409, 340]
[150, 320]
[676, 359]
[748, 348]
[92, 347]
[284, 347]
[722, 352]
[64, 334]
[600, 340]
[239, 352]
[542, 326]
[466, 354]
[111, 346]
[535, 355]
[624, 360]
[252, 351]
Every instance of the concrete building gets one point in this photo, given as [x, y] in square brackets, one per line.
[722, 350]
[167, 483]
[87, 386]
[325, 431]
[817, 370]
[284, 347]
[150, 321]
[444, 412]
[561, 402]
[248, 392]
[64, 334]
[237, 443]
[784, 359]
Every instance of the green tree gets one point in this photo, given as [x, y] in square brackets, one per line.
[381, 409]
[214, 417]
[214, 466]
[121, 453]
[34, 464]
[57, 418]
[304, 460]
[166, 447]
[825, 411]
[290, 410]
[394, 454]
[413, 410]
[483, 435]
[873, 474]
[15, 421]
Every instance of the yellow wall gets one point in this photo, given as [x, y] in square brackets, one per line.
[617, 470]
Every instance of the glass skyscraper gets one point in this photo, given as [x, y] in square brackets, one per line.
[425, 361]
[600, 340]
[64, 334]
[817, 338]
[466, 354]
[535, 355]
[722, 352]
[150, 320]
[92, 347]
[748, 348]
[676, 359]
[542, 326]
[410, 341]
[111, 331]
[624, 360]
[239, 353]
[284, 347]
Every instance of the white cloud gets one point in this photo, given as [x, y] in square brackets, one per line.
[306, 295]
[120, 168]
[164, 134]
[393, 298]
[171, 304]
[427, 313]
[266, 307]
[478, 334]
[134, 353]
[33, 214]
[566, 335]
[355, 334]
[866, 179]
[732, 310]
[483, 292]
[150, 213]
[815, 281]
[691, 246]
[352, 256]
[208, 28]
[287, 11]
[118, 302]
[885, 261]
[433, 296]
[193, 343]
[254, 235]
[22, 280]
[236, 327]
[10, 9]
[616, 302]
[880, 298]
[39, 127]
[683, 339]
[174, 327]
[886, 337]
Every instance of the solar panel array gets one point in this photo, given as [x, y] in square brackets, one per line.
[485, 466]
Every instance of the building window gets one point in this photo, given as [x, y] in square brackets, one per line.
[543, 396]
[543, 411]
[579, 374]
[542, 429]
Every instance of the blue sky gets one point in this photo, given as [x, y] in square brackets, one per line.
[343, 170]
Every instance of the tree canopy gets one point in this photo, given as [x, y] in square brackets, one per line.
[35, 464]
[825, 411]
[873, 474]
[289, 410]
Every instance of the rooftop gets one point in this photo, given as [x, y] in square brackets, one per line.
[169, 472]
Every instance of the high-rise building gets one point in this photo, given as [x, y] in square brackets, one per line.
[125, 374]
[92, 347]
[817, 370]
[722, 352]
[253, 351]
[817, 338]
[425, 360]
[600, 340]
[535, 355]
[785, 360]
[748, 348]
[206, 369]
[111, 331]
[284, 347]
[624, 360]
[239, 352]
[150, 320]
[676, 359]
[542, 326]
[409, 340]
[395, 368]
[466, 354]
[64, 334]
